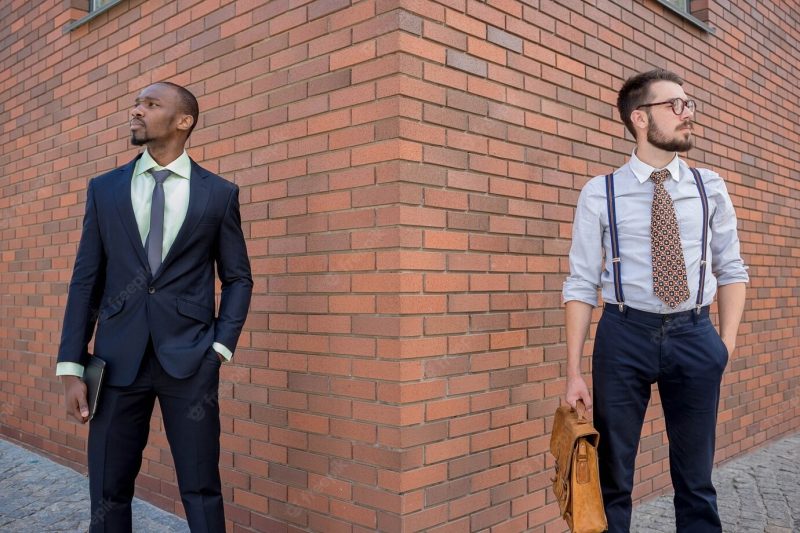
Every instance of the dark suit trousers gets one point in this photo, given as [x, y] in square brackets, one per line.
[686, 357]
[118, 434]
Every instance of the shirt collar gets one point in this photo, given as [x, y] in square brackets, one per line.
[181, 167]
[642, 170]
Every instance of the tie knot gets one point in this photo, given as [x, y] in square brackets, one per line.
[160, 175]
[660, 176]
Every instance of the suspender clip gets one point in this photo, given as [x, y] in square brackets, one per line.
[621, 307]
[616, 260]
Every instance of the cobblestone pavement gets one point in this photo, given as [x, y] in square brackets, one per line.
[38, 495]
[758, 492]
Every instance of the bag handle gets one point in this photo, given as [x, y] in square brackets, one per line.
[580, 407]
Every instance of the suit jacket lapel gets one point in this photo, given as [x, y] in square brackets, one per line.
[198, 200]
[122, 195]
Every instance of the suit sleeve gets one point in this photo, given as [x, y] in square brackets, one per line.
[85, 289]
[233, 268]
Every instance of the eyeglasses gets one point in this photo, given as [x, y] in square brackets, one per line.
[678, 105]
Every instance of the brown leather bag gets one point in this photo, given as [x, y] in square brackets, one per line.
[577, 482]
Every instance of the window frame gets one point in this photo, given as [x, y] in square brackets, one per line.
[91, 13]
[687, 14]
[93, 7]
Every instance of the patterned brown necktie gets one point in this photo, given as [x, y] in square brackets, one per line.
[669, 268]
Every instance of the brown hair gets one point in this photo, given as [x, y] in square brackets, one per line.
[636, 91]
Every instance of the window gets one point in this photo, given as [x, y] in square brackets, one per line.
[680, 4]
[94, 5]
[92, 8]
[683, 8]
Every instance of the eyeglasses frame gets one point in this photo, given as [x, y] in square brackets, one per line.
[685, 104]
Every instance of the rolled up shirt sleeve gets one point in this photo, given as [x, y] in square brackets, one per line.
[726, 260]
[586, 252]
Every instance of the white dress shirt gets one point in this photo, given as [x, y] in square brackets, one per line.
[591, 241]
[176, 196]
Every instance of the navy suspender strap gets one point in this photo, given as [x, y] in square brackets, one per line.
[612, 229]
[703, 262]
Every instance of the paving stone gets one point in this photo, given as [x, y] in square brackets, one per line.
[758, 492]
[38, 495]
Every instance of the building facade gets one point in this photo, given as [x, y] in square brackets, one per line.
[408, 171]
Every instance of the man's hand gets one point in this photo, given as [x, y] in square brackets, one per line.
[75, 398]
[221, 357]
[730, 344]
[577, 390]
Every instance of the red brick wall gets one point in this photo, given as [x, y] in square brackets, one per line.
[408, 174]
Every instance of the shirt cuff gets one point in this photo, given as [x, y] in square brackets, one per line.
[222, 350]
[69, 369]
[575, 289]
[729, 279]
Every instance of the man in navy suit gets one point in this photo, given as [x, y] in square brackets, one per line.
[152, 300]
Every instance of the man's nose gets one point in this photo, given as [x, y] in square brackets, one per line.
[136, 111]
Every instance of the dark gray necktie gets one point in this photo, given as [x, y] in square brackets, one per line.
[156, 236]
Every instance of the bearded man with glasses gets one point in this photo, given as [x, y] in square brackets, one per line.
[644, 235]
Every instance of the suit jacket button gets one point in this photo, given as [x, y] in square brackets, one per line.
[151, 290]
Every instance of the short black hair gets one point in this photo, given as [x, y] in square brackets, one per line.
[636, 91]
[188, 103]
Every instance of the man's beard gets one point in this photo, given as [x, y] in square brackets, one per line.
[139, 141]
[658, 140]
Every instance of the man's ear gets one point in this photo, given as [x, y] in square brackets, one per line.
[185, 122]
[640, 120]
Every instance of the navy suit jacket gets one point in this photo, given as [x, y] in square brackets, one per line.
[112, 285]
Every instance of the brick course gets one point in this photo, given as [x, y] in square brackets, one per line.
[408, 174]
